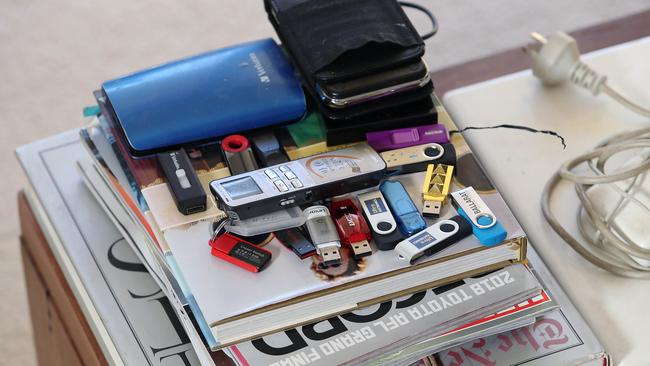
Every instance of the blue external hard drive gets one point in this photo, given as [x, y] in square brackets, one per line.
[204, 97]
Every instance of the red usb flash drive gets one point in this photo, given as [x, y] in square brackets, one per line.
[352, 227]
[240, 252]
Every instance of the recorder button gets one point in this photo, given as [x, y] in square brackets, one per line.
[296, 183]
[432, 152]
[271, 174]
[447, 228]
[384, 226]
[280, 186]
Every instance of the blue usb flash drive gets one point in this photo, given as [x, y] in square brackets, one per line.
[409, 220]
[484, 223]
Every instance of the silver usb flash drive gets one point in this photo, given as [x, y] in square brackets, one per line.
[323, 234]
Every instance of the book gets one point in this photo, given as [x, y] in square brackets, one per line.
[277, 298]
[135, 329]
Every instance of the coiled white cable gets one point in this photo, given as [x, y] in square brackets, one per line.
[606, 244]
[610, 248]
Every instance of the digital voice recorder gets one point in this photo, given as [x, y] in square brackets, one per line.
[298, 182]
[384, 229]
[433, 239]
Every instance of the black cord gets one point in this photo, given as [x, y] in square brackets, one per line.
[428, 13]
[516, 127]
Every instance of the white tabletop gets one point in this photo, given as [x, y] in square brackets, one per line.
[520, 163]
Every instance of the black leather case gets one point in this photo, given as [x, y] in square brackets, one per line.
[337, 40]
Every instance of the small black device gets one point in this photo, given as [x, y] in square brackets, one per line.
[184, 184]
[295, 240]
[417, 113]
[374, 86]
[267, 149]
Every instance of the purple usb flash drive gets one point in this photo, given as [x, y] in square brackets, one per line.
[405, 137]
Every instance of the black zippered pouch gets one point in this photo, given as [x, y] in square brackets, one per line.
[338, 40]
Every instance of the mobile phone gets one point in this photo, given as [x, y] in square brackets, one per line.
[381, 84]
[298, 182]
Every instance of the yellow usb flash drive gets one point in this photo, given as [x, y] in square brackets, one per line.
[435, 188]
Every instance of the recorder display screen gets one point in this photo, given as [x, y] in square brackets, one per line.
[241, 188]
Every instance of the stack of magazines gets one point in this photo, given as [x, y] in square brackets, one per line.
[457, 306]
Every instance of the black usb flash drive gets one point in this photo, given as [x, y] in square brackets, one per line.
[183, 182]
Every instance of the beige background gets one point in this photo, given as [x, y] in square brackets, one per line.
[54, 54]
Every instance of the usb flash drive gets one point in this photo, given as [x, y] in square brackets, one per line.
[385, 233]
[433, 239]
[416, 158]
[183, 182]
[240, 252]
[323, 234]
[352, 227]
[435, 188]
[238, 154]
[407, 215]
[296, 241]
[484, 223]
[267, 149]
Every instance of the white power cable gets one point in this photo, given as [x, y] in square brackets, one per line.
[607, 244]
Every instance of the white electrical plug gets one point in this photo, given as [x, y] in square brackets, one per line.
[557, 59]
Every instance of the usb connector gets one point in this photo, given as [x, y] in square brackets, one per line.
[431, 208]
[330, 253]
[361, 249]
[435, 188]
